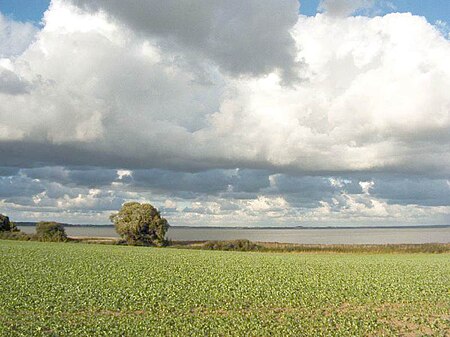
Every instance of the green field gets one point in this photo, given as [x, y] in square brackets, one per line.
[57, 289]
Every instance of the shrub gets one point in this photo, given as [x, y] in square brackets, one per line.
[16, 235]
[238, 245]
[50, 231]
[6, 225]
[140, 224]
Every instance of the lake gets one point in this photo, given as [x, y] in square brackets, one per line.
[300, 235]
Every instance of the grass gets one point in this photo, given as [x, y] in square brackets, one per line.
[67, 289]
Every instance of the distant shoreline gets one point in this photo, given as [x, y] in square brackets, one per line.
[31, 224]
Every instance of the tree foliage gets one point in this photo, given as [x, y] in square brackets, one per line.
[140, 224]
[6, 225]
[50, 231]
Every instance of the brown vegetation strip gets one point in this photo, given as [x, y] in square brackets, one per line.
[245, 245]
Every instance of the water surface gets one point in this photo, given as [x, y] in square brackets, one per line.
[305, 236]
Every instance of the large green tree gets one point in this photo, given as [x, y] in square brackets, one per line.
[140, 224]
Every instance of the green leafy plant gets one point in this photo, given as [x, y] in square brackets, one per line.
[98, 290]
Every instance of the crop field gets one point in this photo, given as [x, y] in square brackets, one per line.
[57, 289]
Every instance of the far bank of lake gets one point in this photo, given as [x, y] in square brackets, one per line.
[296, 235]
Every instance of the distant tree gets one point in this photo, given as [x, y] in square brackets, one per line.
[140, 224]
[50, 231]
[6, 225]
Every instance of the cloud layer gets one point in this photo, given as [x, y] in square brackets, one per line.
[225, 197]
[308, 109]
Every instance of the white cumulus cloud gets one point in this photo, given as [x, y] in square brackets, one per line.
[159, 86]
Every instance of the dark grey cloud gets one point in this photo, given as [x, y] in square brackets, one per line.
[308, 191]
[243, 37]
[250, 181]
[222, 196]
[212, 181]
[8, 171]
[238, 184]
[413, 190]
[86, 177]
[18, 186]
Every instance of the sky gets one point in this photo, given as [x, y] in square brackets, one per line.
[226, 113]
